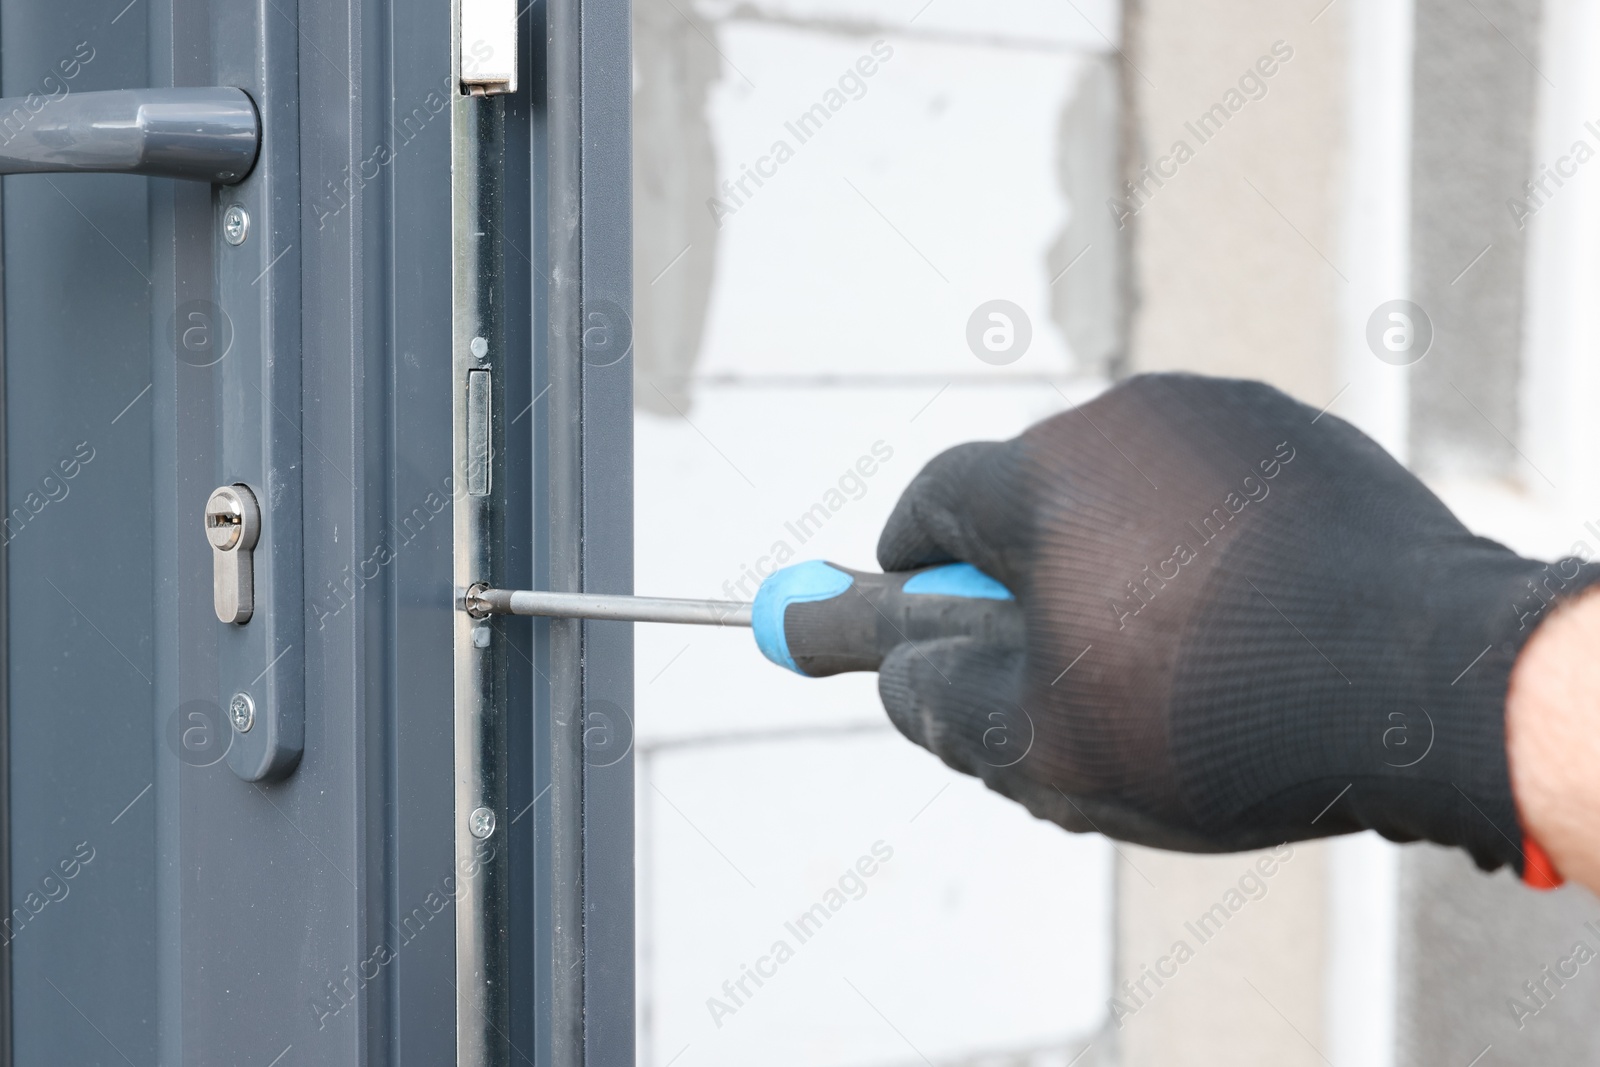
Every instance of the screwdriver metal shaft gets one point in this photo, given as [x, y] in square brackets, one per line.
[816, 618]
[482, 602]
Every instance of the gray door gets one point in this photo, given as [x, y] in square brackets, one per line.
[269, 796]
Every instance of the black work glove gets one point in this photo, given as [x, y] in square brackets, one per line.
[1246, 624]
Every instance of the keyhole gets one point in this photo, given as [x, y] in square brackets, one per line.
[224, 521]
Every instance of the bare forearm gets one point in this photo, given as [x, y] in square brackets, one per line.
[1553, 739]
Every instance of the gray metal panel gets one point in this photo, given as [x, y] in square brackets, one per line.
[608, 528]
[335, 800]
[258, 382]
[257, 914]
[78, 305]
[419, 790]
[584, 485]
[242, 921]
[5, 695]
[559, 711]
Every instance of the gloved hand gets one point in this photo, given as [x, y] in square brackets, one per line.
[1246, 624]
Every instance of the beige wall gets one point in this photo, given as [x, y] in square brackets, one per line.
[1233, 279]
[1251, 995]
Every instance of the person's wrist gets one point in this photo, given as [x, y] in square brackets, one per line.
[1553, 739]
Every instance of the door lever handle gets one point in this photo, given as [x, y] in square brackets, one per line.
[197, 134]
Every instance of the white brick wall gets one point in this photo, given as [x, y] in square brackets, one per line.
[837, 320]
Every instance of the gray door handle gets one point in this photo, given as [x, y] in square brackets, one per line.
[200, 134]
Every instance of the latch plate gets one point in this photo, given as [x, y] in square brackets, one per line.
[488, 47]
[245, 396]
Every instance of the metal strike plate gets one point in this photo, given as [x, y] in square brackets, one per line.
[233, 526]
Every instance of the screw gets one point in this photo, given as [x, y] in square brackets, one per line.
[242, 710]
[235, 225]
[481, 823]
[480, 348]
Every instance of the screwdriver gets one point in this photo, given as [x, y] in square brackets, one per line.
[815, 618]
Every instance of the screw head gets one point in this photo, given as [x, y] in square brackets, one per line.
[481, 823]
[242, 710]
[235, 225]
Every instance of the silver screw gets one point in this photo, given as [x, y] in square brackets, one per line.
[242, 710]
[480, 348]
[235, 225]
[481, 823]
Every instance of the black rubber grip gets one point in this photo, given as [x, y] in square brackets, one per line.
[855, 629]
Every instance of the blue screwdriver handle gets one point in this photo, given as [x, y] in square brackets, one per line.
[819, 618]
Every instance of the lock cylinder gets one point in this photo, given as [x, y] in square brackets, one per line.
[233, 526]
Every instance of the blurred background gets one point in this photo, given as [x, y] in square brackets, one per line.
[869, 230]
